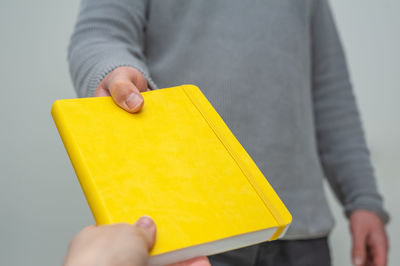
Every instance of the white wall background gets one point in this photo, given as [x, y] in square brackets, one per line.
[41, 204]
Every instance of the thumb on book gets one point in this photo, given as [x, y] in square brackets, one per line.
[148, 228]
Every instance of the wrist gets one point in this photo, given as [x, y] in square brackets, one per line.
[379, 212]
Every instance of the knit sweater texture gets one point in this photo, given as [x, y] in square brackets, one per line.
[274, 70]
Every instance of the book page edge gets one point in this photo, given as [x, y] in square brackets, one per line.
[213, 247]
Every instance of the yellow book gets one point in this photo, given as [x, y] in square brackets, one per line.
[175, 161]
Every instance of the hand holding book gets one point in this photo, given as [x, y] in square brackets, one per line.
[124, 85]
[121, 244]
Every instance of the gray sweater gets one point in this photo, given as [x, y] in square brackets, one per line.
[274, 70]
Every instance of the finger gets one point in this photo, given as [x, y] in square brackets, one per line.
[126, 95]
[148, 228]
[199, 261]
[359, 247]
[138, 79]
[378, 248]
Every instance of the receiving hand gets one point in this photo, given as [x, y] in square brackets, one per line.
[124, 84]
[370, 242]
[118, 244]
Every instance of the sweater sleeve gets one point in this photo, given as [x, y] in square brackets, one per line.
[107, 35]
[341, 143]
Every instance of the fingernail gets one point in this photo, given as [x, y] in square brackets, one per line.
[133, 101]
[144, 222]
[357, 261]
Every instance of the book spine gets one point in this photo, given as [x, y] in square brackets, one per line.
[78, 162]
[244, 161]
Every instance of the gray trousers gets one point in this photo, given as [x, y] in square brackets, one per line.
[312, 252]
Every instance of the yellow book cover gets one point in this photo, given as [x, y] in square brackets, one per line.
[175, 161]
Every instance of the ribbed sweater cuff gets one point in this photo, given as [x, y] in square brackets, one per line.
[369, 205]
[107, 65]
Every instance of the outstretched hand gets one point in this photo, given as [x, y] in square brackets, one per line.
[118, 244]
[370, 242]
[124, 84]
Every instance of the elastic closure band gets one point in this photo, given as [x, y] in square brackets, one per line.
[247, 173]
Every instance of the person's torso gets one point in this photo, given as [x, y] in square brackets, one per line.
[252, 60]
